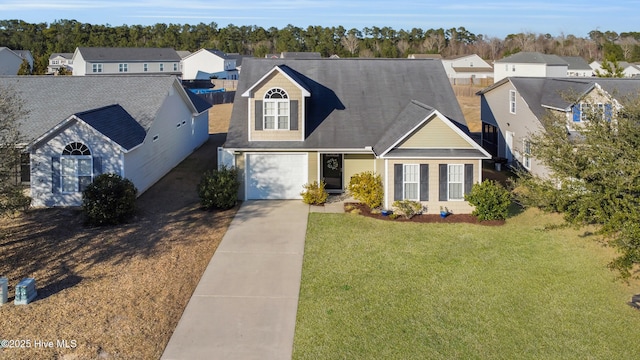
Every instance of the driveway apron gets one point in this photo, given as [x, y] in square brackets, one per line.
[245, 304]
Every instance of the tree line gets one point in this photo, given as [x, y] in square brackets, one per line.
[60, 36]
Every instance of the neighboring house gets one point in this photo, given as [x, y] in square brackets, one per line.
[295, 55]
[530, 64]
[125, 61]
[299, 121]
[207, 64]
[11, 60]
[511, 110]
[628, 69]
[139, 127]
[425, 56]
[577, 66]
[467, 67]
[60, 60]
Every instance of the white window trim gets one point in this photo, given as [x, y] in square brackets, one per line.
[96, 68]
[276, 115]
[526, 154]
[76, 176]
[512, 101]
[145, 67]
[161, 67]
[416, 169]
[123, 67]
[449, 182]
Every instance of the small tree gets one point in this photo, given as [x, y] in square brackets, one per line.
[11, 147]
[25, 68]
[218, 188]
[367, 188]
[610, 69]
[110, 199]
[491, 200]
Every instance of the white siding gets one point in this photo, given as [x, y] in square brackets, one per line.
[202, 61]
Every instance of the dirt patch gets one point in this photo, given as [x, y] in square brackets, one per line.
[114, 292]
[470, 105]
[364, 210]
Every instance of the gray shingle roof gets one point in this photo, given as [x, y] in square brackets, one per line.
[533, 58]
[115, 123]
[576, 63]
[64, 55]
[50, 100]
[353, 102]
[402, 124]
[128, 54]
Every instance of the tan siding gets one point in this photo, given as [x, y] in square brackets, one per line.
[435, 134]
[241, 174]
[433, 205]
[356, 163]
[313, 166]
[276, 79]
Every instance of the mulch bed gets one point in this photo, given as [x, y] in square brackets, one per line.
[423, 218]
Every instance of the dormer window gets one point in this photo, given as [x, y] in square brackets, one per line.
[276, 110]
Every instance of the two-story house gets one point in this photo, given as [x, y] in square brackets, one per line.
[125, 61]
[296, 121]
[530, 64]
[209, 64]
[512, 108]
[11, 60]
[59, 61]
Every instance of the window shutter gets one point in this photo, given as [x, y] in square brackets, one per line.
[608, 113]
[575, 109]
[468, 178]
[442, 186]
[258, 115]
[55, 174]
[97, 166]
[424, 182]
[397, 182]
[293, 115]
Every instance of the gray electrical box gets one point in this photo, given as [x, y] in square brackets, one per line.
[4, 289]
[25, 291]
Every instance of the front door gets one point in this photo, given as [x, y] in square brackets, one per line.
[332, 171]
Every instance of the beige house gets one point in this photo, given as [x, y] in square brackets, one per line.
[298, 121]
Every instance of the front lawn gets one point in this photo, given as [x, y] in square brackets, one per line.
[374, 289]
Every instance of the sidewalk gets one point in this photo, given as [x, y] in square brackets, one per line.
[245, 304]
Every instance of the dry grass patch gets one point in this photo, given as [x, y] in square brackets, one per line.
[117, 291]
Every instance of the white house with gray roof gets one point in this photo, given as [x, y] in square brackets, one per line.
[511, 110]
[296, 121]
[207, 64]
[467, 67]
[530, 64]
[628, 69]
[11, 60]
[125, 61]
[58, 61]
[139, 127]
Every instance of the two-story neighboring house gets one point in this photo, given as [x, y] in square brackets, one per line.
[467, 67]
[628, 69]
[296, 121]
[530, 64]
[59, 61]
[125, 61]
[11, 60]
[208, 64]
[511, 110]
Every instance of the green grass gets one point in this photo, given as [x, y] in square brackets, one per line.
[384, 290]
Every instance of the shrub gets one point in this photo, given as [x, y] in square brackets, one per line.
[110, 199]
[218, 188]
[314, 193]
[407, 208]
[366, 187]
[491, 200]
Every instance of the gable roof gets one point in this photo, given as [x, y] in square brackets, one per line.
[576, 63]
[140, 96]
[352, 102]
[62, 55]
[115, 123]
[128, 54]
[533, 58]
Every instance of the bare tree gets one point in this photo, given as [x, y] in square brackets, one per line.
[351, 43]
[627, 44]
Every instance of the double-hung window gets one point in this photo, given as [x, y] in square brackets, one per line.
[161, 67]
[123, 67]
[411, 182]
[512, 101]
[455, 180]
[526, 154]
[276, 110]
[76, 168]
[145, 67]
[96, 68]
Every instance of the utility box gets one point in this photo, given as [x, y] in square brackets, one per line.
[4, 290]
[25, 291]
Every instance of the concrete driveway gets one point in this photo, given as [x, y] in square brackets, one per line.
[245, 304]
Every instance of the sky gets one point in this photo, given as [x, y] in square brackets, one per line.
[489, 18]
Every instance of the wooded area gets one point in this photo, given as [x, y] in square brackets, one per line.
[42, 39]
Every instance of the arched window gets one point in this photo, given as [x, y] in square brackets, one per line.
[276, 110]
[76, 167]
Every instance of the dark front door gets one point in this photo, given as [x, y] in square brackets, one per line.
[332, 171]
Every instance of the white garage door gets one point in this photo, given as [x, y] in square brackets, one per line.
[276, 176]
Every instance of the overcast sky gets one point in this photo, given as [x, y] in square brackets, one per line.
[491, 18]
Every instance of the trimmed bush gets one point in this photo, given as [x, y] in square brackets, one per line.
[314, 193]
[407, 208]
[491, 200]
[110, 199]
[218, 188]
[366, 187]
